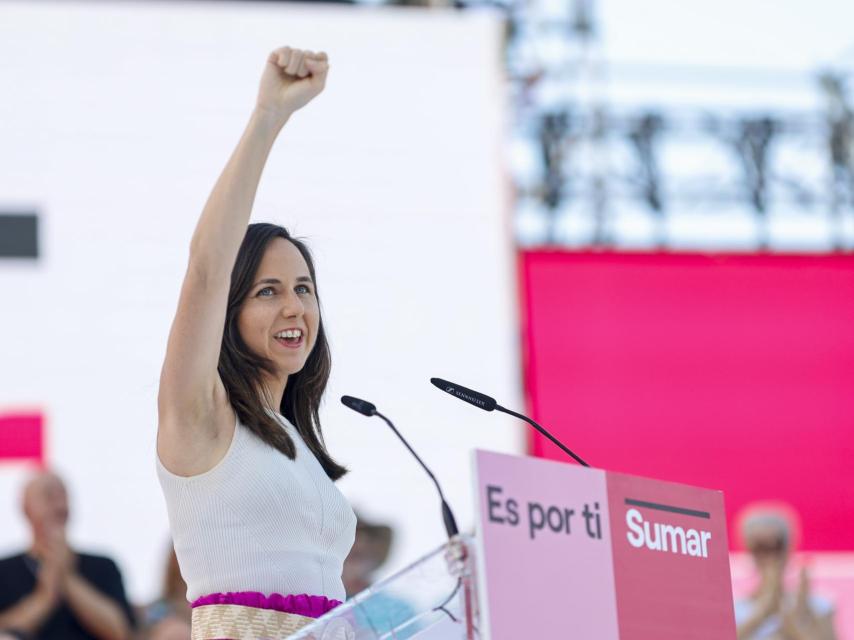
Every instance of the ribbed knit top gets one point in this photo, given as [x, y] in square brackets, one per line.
[259, 521]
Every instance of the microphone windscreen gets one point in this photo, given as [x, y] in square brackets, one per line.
[471, 396]
[361, 406]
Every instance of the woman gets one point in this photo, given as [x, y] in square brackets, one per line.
[259, 528]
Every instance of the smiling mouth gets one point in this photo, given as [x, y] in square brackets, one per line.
[290, 339]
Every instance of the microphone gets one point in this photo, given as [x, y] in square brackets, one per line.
[360, 406]
[486, 403]
[368, 409]
[468, 395]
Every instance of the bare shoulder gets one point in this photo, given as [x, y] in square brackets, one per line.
[193, 442]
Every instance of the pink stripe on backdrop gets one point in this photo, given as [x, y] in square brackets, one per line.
[21, 436]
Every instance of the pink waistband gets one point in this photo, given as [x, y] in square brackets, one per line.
[303, 604]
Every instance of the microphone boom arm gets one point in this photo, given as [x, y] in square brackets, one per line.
[566, 450]
[447, 514]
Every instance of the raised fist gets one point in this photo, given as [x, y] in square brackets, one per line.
[291, 79]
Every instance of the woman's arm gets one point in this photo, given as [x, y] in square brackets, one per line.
[191, 399]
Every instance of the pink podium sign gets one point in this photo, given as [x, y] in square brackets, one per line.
[570, 552]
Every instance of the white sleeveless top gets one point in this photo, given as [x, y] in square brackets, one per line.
[259, 521]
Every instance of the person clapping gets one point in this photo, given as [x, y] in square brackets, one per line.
[772, 612]
[51, 591]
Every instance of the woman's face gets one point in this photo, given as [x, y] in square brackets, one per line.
[280, 317]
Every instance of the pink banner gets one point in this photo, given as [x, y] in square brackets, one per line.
[546, 549]
[673, 576]
[574, 552]
[726, 371]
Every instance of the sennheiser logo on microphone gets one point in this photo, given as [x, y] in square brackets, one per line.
[467, 397]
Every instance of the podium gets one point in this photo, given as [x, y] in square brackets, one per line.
[560, 551]
[440, 602]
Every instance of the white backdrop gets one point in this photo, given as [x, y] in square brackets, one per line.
[115, 120]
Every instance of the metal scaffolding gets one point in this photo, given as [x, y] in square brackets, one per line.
[583, 164]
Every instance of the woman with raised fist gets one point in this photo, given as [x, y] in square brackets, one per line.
[259, 527]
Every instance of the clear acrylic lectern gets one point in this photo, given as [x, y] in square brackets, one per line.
[432, 599]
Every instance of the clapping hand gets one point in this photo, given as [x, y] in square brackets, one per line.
[57, 562]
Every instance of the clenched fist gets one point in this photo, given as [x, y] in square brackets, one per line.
[291, 79]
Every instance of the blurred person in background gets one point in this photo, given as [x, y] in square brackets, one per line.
[168, 617]
[260, 529]
[772, 612]
[51, 591]
[382, 611]
[169, 629]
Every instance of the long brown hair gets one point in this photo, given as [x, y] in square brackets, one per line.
[241, 369]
